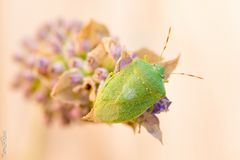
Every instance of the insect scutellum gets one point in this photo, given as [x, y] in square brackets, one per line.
[160, 69]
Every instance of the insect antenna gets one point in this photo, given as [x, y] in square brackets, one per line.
[166, 42]
[190, 75]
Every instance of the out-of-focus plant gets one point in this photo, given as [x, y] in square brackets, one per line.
[58, 50]
[79, 72]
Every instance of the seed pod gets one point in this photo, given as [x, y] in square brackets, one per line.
[129, 93]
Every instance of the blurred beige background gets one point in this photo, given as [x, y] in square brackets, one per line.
[204, 119]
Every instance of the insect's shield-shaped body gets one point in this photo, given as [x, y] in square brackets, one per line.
[129, 93]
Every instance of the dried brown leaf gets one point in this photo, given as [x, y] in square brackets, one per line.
[63, 89]
[89, 86]
[133, 125]
[150, 55]
[170, 66]
[151, 123]
[123, 61]
[90, 116]
[101, 54]
[93, 32]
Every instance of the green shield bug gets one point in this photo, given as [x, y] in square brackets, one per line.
[129, 93]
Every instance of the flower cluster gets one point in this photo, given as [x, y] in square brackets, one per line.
[60, 48]
[65, 64]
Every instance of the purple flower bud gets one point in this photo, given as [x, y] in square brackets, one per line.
[28, 89]
[60, 34]
[133, 55]
[58, 68]
[85, 45]
[70, 49]
[76, 63]
[100, 74]
[76, 78]
[161, 105]
[56, 47]
[123, 61]
[28, 75]
[43, 63]
[30, 61]
[92, 63]
[74, 113]
[116, 51]
[41, 35]
[42, 66]
[40, 96]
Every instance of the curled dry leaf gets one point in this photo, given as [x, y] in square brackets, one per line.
[93, 32]
[150, 55]
[123, 61]
[63, 89]
[151, 123]
[101, 54]
[88, 86]
[169, 66]
[90, 116]
[133, 125]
